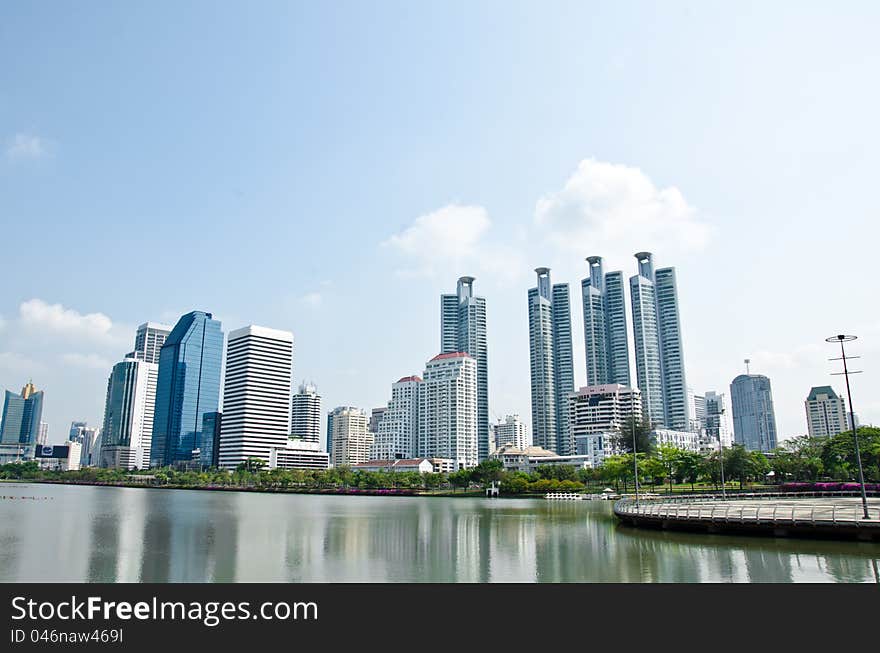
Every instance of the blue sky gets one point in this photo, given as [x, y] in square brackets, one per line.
[330, 168]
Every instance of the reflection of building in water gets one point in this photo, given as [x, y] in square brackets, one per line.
[512, 546]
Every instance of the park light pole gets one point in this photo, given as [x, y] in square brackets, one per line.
[721, 456]
[842, 339]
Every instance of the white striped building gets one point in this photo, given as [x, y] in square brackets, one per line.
[256, 394]
[448, 410]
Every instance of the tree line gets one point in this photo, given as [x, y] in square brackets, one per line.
[797, 459]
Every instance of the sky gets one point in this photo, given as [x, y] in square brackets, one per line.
[331, 168]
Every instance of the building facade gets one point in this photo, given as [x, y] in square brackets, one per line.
[398, 429]
[754, 420]
[511, 430]
[826, 412]
[606, 342]
[448, 410]
[299, 454]
[256, 395]
[551, 363]
[305, 414]
[718, 424]
[188, 387]
[349, 436]
[658, 346]
[463, 329]
[148, 341]
[20, 424]
[129, 411]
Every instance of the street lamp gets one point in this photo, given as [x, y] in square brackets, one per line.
[721, 456]
[842, 339]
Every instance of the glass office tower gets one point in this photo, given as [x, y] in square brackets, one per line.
[188, 387]
[754, 420]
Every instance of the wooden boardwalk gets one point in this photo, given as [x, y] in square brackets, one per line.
[828, 517]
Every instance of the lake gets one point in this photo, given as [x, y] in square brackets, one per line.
[108, 534]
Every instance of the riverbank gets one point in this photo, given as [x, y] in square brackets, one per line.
[351, 491]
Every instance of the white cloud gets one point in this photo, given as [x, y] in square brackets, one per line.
[312, 299]
[450, 232]
[615, 210]
[56, 319]
[16, 363]
[90, 361]
[26, 146]
[454, 237]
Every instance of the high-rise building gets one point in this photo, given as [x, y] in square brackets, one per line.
[256, 394]
[826, 412]
[90, 447]
[20, 425]
[43, 437]
[188, 387]
[349, 436]
[658, 348]
[376, 416]
[718, 425]
[76, 431]
[598, 414]
[397, 431]
[209, 451]
[696, 405]
[511, 430]
[128, 416]
[754, 420]
[148, 341]
[605, 338]
[551, 363]
[448, 410]
[305, 414]
[463, 329]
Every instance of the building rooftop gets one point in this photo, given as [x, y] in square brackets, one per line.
[453, 354]
[821, 390]
[410, 378]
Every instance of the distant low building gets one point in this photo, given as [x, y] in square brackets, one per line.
[419, 465]
[299, 454]
[517, 459]
[63, 458]
[680, 439]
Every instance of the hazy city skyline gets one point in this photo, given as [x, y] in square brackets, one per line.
[319, 183]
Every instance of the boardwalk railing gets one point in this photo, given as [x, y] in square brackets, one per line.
[716, 510]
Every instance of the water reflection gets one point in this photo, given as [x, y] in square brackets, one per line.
[131, 535]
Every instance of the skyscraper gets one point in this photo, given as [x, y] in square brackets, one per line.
[305, 418]
[448, 410]
[188, 387]
[718, 418]
[76, 431]
[148, 341]
[511, 431]
[256, 394]
[463, 329]
[551, 363]
[43, 436]
[754, 420]
[605, 338]
[128, 416]
[658, 348]
[398, 429]
[20, 425]
[349, 437]
[826, 412]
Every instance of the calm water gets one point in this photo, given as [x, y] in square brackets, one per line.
[127, 535]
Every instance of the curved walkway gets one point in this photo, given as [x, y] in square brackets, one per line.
[829, 517]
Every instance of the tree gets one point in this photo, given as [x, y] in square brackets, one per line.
[461, 478]
[487, 472]
[737, 463]
[690, 464]
[641, 430]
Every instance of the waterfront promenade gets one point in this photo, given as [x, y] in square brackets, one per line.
[838, 517]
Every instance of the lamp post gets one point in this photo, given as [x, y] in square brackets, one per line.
[842, 339]
[721, 456]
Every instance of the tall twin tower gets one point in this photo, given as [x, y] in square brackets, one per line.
[658, 350]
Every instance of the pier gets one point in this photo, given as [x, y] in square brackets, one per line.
[836, 517]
